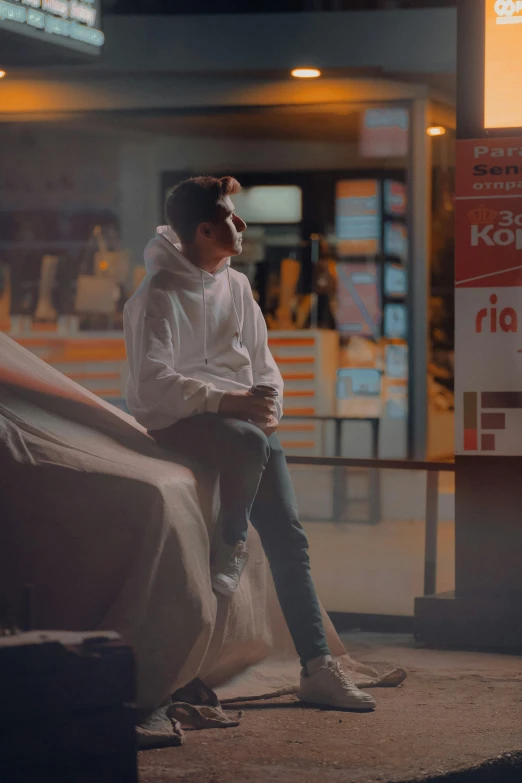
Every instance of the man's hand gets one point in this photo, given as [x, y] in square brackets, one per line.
[272, 426]
[250, 407]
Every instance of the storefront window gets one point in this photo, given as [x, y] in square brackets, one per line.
[327, 250]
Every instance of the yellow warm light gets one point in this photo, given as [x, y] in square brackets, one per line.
[436, 130]
[103, 266]
[306, 73]
[2, 74]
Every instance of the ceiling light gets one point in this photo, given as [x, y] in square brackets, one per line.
[306, 73]
[436, 130]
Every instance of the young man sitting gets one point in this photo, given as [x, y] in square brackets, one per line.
[197, 344]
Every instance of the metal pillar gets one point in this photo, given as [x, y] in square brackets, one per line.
[419, 281]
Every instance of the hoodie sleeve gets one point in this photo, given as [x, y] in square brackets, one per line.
[159, 387]
[265, 370]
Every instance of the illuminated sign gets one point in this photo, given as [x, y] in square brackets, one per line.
[384, 133]
[358, 217]
[503, 64]
[396, 240]
[358, 300]
[395, 198]
[266, 204]
[75, 24]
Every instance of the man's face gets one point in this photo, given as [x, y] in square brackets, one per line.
[227, 229]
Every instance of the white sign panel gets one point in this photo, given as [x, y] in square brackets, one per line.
[488, 405]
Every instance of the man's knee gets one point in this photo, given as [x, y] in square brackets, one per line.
[252, 443]
[244, 442]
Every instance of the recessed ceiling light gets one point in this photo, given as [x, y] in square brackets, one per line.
[306, 73]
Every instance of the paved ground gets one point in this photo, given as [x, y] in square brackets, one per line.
[457, 711]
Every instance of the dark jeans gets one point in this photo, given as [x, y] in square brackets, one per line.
[255, 484]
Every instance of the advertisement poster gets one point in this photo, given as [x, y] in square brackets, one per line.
[358, 301]
[384, 133]
[395, 321]
[396, 240]
[359, 393]
[395, 198]
[358, 217]
[488, 297]
[395, 281]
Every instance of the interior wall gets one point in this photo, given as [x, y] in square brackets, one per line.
[56, 184]
[50, 166]
[142, 162]
[66, 167]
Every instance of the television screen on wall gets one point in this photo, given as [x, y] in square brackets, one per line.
[269, 204]
[63, 24]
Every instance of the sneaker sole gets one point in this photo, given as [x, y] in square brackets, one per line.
[222, 589]
[359, 708]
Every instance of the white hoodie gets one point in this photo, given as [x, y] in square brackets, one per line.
[191, 336]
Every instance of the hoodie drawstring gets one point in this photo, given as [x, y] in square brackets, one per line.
[205, 315]
[204, 319]
[235, 309]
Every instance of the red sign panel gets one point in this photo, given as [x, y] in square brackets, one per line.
[489, 213]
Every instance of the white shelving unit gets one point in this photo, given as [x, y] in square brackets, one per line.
[308, 361]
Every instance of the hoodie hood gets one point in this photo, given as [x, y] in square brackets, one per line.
[164, 252]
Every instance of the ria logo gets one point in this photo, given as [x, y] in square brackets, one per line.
[484, 221]
[506, 10]
[507, 319]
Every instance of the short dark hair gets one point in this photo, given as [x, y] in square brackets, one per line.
[195, 201]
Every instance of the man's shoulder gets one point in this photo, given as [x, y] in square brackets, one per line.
[151, 298]
[241, 278]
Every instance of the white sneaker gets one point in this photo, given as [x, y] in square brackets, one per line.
[330, 687]
[226, 579]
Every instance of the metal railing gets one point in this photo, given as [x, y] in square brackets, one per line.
[338, 490]
[432, 469]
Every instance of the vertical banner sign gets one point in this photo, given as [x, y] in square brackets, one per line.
[488, 297]
[358, 217]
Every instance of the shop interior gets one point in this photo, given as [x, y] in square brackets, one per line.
[327, 252]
